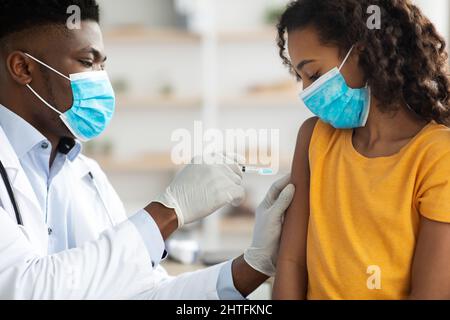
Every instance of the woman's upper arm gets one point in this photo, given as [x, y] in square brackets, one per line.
[431, 265]
[297, 216]
[291, 279]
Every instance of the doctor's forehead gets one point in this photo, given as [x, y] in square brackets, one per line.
[57, 40]
[88, 39]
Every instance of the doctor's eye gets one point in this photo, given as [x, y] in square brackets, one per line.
[86, 63]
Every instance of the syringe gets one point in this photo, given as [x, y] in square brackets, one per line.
[260, 171]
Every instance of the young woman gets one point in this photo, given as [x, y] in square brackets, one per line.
[371, 214]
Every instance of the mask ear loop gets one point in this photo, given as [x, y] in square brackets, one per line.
[346, 58]
[35, 93]
[42, 99]
[46, 65]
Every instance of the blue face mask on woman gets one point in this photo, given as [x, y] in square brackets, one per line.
[93, 103]
[334, 102]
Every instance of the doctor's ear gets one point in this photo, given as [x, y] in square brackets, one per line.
[20, 67]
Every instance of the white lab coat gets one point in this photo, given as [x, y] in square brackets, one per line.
[110, 260]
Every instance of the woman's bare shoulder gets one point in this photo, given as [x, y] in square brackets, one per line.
[305, 134]
[300, 165]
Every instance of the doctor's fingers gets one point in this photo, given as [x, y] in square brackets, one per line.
[228, 191]
[232, 163]
[276, 188]
[231, 174]
[283, 202]
[230, 170]
[221, 162]
[236, 195]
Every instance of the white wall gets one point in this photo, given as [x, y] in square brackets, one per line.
[243, 14]
[132, 12]
[438, 11]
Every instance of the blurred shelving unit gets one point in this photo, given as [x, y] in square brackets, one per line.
[248, 36]
[172, 103]
[260, 101]
[139, 34]
[168, 74]
[154, 35]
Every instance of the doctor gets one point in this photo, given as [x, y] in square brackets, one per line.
[64, 233]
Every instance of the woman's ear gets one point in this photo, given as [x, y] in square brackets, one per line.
[360, 48]
[19, 67]
[352, 71]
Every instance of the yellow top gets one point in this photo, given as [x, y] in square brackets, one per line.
[365, 212]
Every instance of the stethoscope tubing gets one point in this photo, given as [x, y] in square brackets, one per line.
[10, 191]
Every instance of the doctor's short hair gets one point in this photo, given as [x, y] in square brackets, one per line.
[21, 15]
[404, 60]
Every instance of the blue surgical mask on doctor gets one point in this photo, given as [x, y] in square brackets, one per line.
[93, 103]
[334, 102]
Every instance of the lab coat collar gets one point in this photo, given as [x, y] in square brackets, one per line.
[22, 188]
[7, 154]
[24, 137]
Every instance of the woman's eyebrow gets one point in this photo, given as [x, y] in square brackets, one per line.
[303, 63]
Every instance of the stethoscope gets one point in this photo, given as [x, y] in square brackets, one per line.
[9, 189]
[64, 146]
[12, 198]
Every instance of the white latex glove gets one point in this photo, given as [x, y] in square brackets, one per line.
[200, 189]
[263, 252]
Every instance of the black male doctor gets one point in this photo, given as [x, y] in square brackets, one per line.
[64, 233]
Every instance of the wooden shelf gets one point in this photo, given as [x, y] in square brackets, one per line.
[142, 35]
[263, 34]
[261, 100]
[266, 100]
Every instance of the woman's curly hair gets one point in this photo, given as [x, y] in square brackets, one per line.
[404, 61]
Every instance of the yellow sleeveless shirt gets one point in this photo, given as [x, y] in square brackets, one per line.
[364, 212]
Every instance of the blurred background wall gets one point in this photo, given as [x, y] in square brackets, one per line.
[176, 61]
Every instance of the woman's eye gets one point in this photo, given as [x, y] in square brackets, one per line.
[314, 77]
[86, 63]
